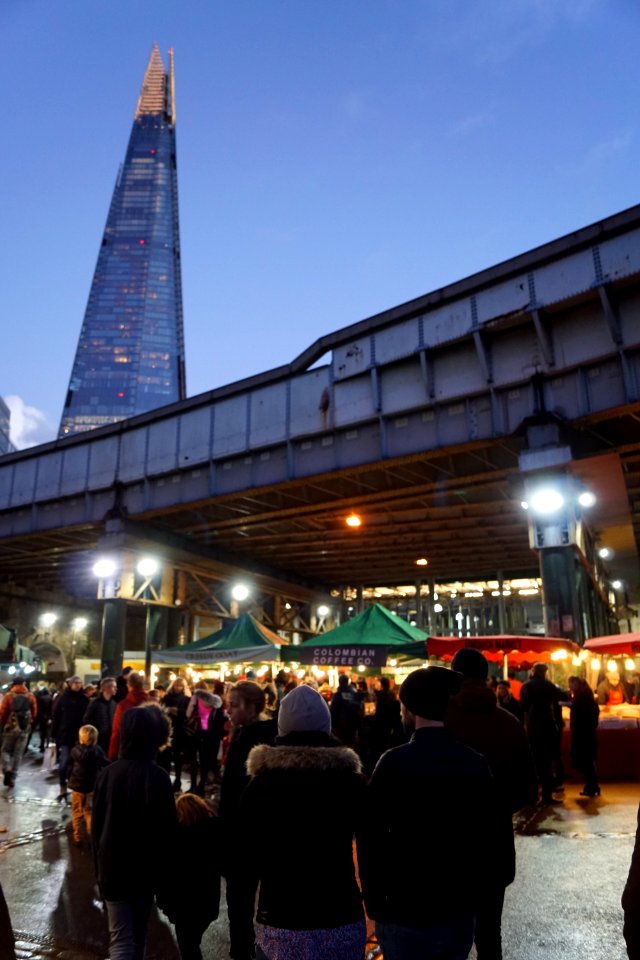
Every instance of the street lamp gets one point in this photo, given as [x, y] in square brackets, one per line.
[48, 619]
[240, 592]
[147, 567]
[104, 568]
[323, 610]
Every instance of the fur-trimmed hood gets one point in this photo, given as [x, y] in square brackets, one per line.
[264, 758]
[209, 699]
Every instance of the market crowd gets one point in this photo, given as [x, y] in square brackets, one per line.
[349, 765]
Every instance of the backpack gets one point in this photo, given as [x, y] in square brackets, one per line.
[20, 715]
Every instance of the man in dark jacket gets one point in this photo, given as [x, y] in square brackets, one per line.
[68, 714]
[133, 804]
[425, 894]
[540, 699]
[475, 718]
[101, 711]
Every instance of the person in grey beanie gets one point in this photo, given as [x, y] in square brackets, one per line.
[319, 783]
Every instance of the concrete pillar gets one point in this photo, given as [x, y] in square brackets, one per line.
[502, 607]
[114, 619]
[561, 572]
[419, 610]
[359, 598]
[431, 616]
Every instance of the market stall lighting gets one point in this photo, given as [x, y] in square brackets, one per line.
[393, 663]
[48, 619]
[595, 664]
[11, 670]
[612, 666]
[576, 661]
[630, 664]
[438, 608]
[104, 568]
[147, 567]
[353, 520]
[604, 553]
[617, 584]
[240, 591]
[586, 499]
[546, 500]
[558, 655]
[422, 562]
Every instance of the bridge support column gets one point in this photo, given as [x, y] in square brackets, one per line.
[562, 573]
[162, 631]
[114, 619]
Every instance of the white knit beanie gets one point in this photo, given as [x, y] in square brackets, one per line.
[302, 710]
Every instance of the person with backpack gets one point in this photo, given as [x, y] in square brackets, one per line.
[17, 713]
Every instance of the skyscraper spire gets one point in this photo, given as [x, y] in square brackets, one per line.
[130, 356]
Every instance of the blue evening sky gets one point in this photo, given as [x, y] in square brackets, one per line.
[335, 158]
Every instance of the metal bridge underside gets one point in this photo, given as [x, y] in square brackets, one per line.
[416, 423]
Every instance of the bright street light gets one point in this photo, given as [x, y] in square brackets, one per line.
[323, 610]
[48, 619]
[604, 553]
[617, 584]
[147, 567]
[104, 568]
[546, 500]
[240, 592]
[79, 623]
[586, 499]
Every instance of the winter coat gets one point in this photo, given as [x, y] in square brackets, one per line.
[68, 716]
[320, 785]
[215, 720]
[584, 724]
[426, 853]
[235, 777]
[7, 704]
[84, 767]
[540, 699]
[475, 718]
[192, 897]
[178, 702]
[45, 705]
[134, 698]
[133, 803]
[631, 901]
[100, 714]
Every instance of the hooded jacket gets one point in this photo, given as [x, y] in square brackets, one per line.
[475, 718]
[215, 720]
[319, 784]
[133, 803]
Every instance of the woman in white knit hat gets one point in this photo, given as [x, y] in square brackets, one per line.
[309, 908]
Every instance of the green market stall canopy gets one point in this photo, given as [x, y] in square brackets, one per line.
[243, 640]
[366, 640]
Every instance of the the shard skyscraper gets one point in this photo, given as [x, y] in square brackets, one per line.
[130, 356]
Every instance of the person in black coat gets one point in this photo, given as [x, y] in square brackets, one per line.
[246, 711]
[175, 703]
[425, 893]
[386, 729]
[133, 809]
[312, 776]
[193, 900]
[101, 710]
[474, 717]
[68, 716]
[122, 684]
[44, 700]
[540, 701]
[631, 901]
[584, 724]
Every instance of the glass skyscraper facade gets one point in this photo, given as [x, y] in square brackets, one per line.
[130, 356]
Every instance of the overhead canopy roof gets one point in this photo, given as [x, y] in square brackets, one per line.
[625, 644]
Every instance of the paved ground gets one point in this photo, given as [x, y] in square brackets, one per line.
[565, 903]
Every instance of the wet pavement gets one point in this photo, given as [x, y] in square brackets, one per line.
[573, 860]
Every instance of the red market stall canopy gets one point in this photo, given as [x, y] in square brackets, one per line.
[365, 640]
[518, 650]
[620, 644]
[243, 640]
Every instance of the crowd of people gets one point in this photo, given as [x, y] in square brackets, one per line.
[466, 751]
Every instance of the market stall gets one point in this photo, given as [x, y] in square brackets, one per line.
[367, 640]
[241, 641]
[519, 652]
[619, 724]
